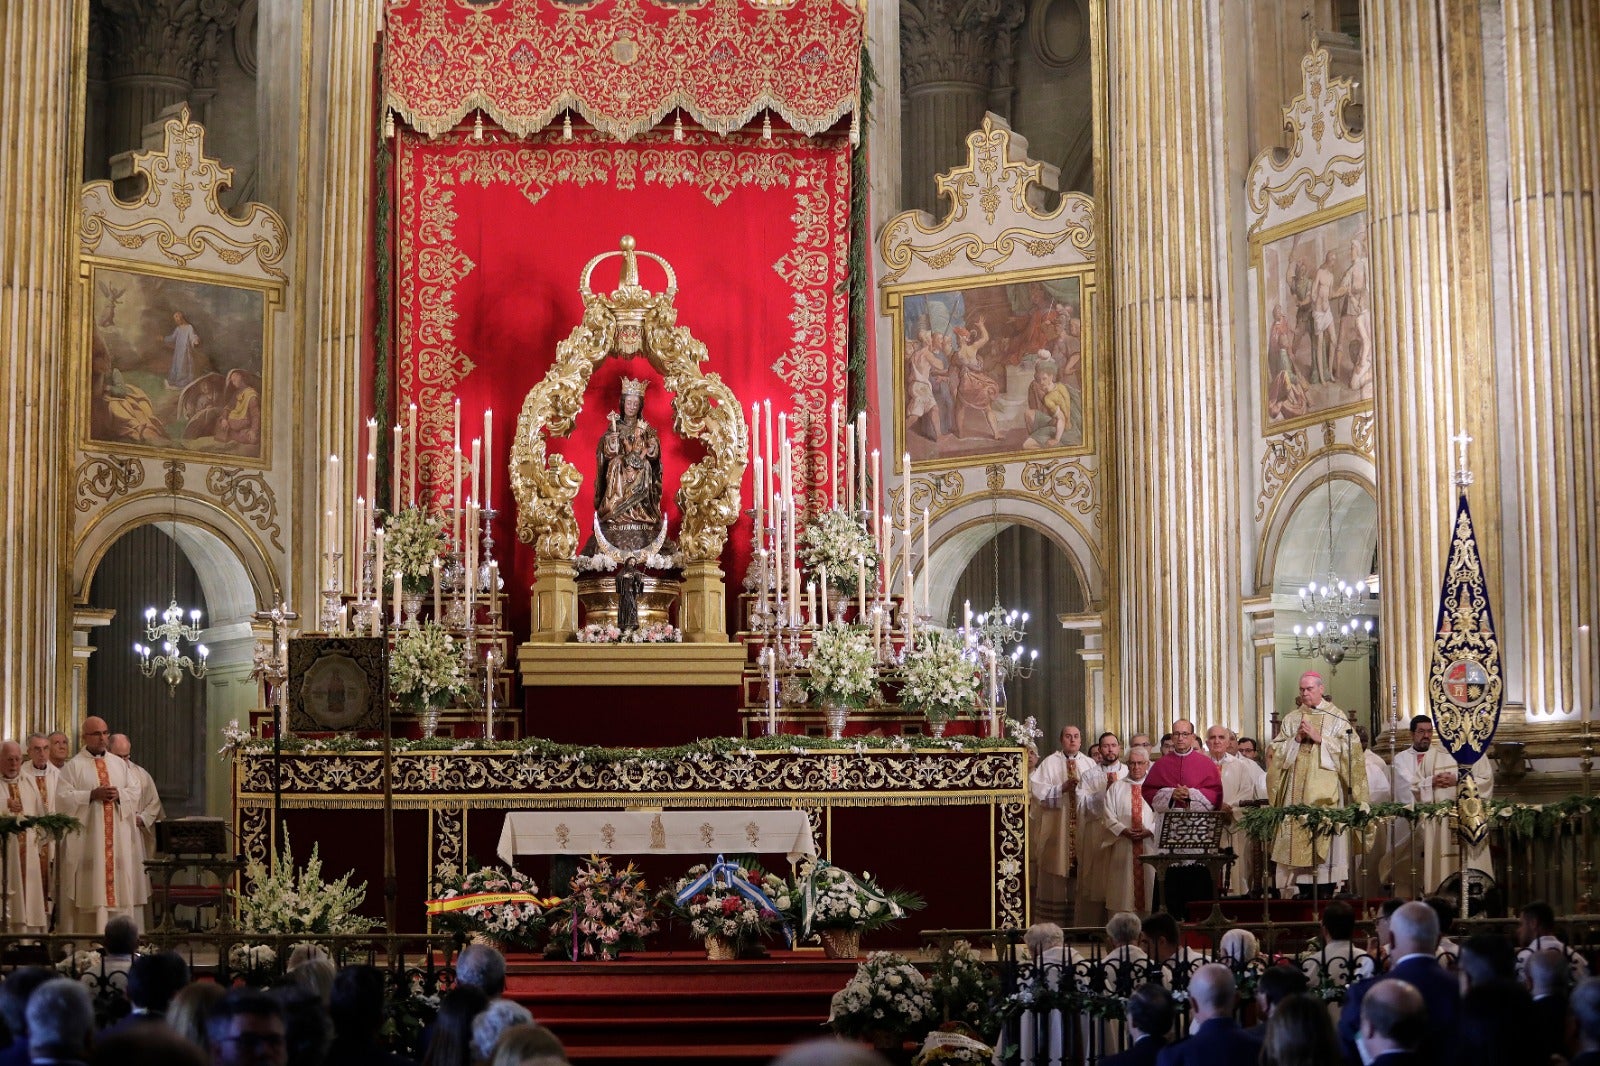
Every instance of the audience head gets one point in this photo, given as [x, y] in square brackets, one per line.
[1278, 983]
[14, 996]
[1494, 1026]
[1041, 937]
[1445, 908]
[1161, 929]
[1382, 927]
[1300, 1033]
[482, 967]
[497, 1017]
[356, 1004]
[528, 1045]
[830, 1051]
[1538, 919]
[60, 1018]
[1183, 738]
[245, 1028]
[315, 975]
[1123, 929]
[1213, 992]
[154, 979]
[1151, 1010]
[1548, 973]
[146, 1045]
[191, 1007]
[1416, 930]
[1393, 1018]
[121, 936]
[1585, 1006]
[1248, 747]
[1339, 921]
[1239, 946]
[452, 1029]
[1486, 957]
[1166, 744]
[308, 1032]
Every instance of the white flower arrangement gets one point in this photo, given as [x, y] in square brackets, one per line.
[232, 737]
[835, 540]
[648, 633]
[843, 667]
[251, 957]
[839, 899]
[599, 562]
[887, 994]
[413, 539]
[425, 666]
[963, 988]
[517, 923]
[941, 679]
[720, 910]
[287, 901]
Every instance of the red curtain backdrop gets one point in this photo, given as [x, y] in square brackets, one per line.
[492, 239]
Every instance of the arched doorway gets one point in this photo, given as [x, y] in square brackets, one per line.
[173, 730]
[1036, 576]
[1314, 549]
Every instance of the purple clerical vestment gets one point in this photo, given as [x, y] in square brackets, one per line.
[1194, 771]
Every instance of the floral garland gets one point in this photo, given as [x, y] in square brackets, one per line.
[1522, 820]
[286, 901]
[964, 988]
[602, 562]
[55, 826]
[517, 922]
[425, 666]
[842, 667]
[648, 633]
[838, 543]
[413, 539]
[721, 910]
[941, 680]
[886, 995]
[595, 755]
[607, 912]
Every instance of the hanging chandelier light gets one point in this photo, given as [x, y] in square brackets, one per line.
[1337, 628]
[164, 654]
[999, 631]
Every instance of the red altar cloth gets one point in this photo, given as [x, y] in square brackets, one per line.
[493, 237]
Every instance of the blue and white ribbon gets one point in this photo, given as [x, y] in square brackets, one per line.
[729, 872]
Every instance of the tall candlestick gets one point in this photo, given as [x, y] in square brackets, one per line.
[927, 562]
[494, 587]
[877, 483]
[488, 460]
[908, 598]
[861, 455]
[372, 467]
[811, 602]
[394, 473]
[474, 479]
[1580, 656]
[377, 572]
[361, 547]
[455, 482]
[833, 455]
[766, 427]
[411, 448]
[755, 490]
[755, 433]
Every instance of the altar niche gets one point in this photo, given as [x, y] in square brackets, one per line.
[635, 566]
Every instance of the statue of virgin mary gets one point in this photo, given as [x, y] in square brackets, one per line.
[627, 486]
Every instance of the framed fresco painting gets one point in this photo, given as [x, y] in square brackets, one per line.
[994, 369]
[1315, 295]
[337, 684]
[176, 362]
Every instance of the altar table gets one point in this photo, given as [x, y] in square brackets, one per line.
[588, 832]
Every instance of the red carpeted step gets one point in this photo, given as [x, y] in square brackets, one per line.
[676, 1032]
[725, 1054]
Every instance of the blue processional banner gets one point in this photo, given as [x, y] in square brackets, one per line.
[1464, 682]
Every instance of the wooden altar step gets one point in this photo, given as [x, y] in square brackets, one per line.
[674, 1006]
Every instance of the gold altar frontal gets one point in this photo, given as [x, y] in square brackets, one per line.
[545, 665]
[597, 595]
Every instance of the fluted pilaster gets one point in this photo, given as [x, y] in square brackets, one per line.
[1434, 371]
[38, 167]
[1183, 650]
[1553, 103]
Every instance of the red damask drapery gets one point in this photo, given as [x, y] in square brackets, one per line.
[491, 240]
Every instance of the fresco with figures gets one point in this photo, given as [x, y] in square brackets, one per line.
[992, 370]
[1317, 306]
[176, 364]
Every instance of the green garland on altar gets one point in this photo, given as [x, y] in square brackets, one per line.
[1523, 820]
[860, 322]
[52, 825]
[710, 747]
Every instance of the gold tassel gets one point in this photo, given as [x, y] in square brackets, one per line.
[855, 128]
[477, 126]
[566, 125]
[766, 125]
[388, 124]
[677, 127]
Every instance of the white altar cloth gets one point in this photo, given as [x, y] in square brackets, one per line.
[686, 832]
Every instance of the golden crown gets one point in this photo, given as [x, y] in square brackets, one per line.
[634, 387]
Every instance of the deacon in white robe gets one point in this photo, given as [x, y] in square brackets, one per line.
[1129, 832]
[1427, 774]
[1242, 781]
[1091, 903]
[1064, 783]
[45, 779]
[150, 809]
[102, 865]
[25, 911]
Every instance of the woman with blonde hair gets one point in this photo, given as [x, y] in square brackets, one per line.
[189, 1008]
[1300, 1033]
[528, 1045]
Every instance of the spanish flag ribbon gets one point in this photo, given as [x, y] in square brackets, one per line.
[450, 904]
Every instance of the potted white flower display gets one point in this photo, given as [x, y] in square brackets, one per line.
[836, 545]
[839, 906]
[886, 1002]
[941, 678]
[842, 672]
[425, 671]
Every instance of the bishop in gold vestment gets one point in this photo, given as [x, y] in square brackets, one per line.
[1318, 762]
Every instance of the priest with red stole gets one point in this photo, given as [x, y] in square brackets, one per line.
[1184, 779]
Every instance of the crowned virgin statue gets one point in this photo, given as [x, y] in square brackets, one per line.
[627, 490]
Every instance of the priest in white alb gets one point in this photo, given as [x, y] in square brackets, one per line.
[102, 866]
[1426, 773]
[1129, 825]
[25, 911]
[45, 779]
[1242, 782]
[1317, 761]
[1090, 906]
[1064, 784]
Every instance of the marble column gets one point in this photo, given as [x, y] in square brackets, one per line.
[85, 620]
[40, 156]
[1180, 624]
[1434, 373]
[884, 169]
[948, 54]
[1552, 55]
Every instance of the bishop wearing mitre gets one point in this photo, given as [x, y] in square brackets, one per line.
[102, 874]
[1129, 822]
[1317, 761]
[25, 911]
[1425, 773]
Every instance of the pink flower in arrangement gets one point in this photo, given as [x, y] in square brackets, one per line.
[731, 904]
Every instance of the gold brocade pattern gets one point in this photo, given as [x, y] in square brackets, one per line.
[1464, 680]
[623, 65]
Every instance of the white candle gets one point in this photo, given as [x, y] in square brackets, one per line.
[877, 511]
[411, 449]
[361, 547]
[861, 455]
[755, 490]
[397, 597]
[1580, 656]
[966, 612]
[861, 589]
[811, 601]
[372, 450]
[823, 581]
[494, 587]
[849, 466]
[755, 432]
[475, 476]
[455, 484]
[488, 459]
[927, 560]
[377, 572]
[438, 612]
[394, 474]
[833, 455]
[766, 427]
[344, 620]
[907, 588]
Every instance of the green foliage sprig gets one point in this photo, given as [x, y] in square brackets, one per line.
[594, 755]
[1521, 820]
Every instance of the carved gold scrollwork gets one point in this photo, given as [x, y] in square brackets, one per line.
[630, 319]
[994, 476]
[449, 844]
[248, 495]
[1278, 464]
[1324, 156]
[174, 474]
[105, 478]
[1065, 482]
[1362, 433]
[1010, 849]
[932, 494]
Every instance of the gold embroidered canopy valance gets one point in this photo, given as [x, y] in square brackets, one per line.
[623, 65]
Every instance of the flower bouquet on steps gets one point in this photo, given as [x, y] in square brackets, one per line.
[838, 906]
[965, 989]
[886, 1002]
[492, 905]
[606, 912]
[414, 538]
[425, 671]
[731, 906]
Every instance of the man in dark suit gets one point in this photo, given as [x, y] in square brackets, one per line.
[1586, 1012]
[1276, 984]
[1415, 928]
[1548, 975]
[152, 982]
[1217, 1039]
[1394, 1023]
[1150, 1014]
